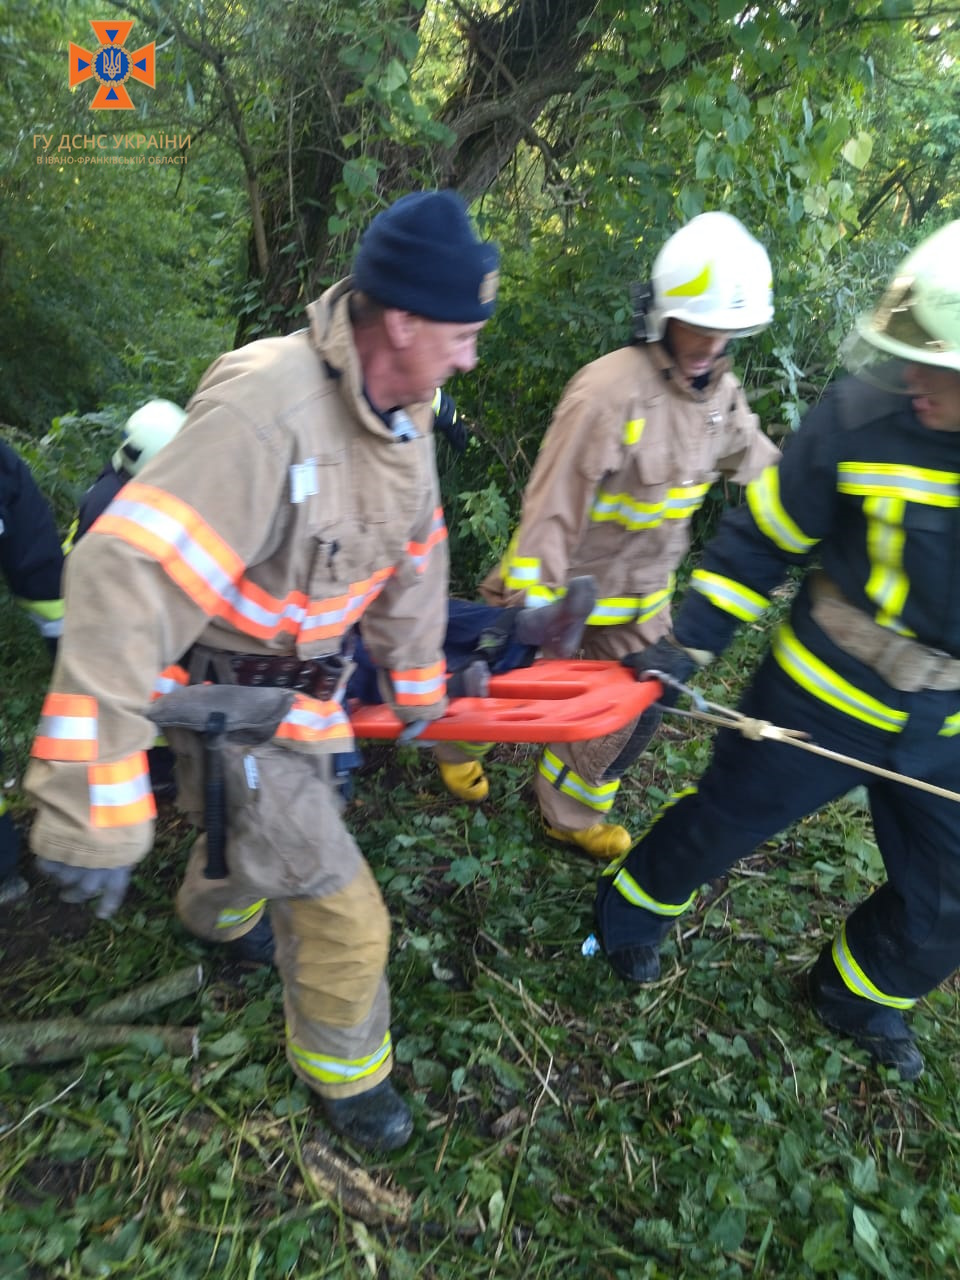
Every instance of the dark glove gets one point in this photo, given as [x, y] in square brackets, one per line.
[666, 656]
[80, 884]
[447, 419]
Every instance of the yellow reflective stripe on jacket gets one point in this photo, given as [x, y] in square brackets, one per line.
[887, 585]
[625, 885]
[892, 480]
[66, 546]
[564, 779]
[622, 509]
[329, 1070]
[730, 596]
[770, 515]
[857, 981]
[633, 430]
[46, 616]
[812, 674]
[609, 611]
[230, 918]
[522, 572]
[950, 726]
[613, 610]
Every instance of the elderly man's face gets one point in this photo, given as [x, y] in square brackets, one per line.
[435, 352]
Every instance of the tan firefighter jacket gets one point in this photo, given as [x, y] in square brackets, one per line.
[628, 458]
[283, 511]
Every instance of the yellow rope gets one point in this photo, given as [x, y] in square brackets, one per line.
[757, 730]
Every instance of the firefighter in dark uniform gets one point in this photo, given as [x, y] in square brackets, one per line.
[31, 563]
[868, 664]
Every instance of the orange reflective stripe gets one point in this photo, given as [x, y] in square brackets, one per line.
[212, 575]
[120, 794]
[67, 728]
[419, 686]
[169, 530]
[310, 720]
[257, 613]
[331, 617]
[168, 680]
[420, 551]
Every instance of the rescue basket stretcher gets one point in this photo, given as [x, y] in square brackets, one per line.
[549, 701]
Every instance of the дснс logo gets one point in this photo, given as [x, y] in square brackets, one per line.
[113, 66]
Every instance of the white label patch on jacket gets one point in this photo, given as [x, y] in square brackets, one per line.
[252, 772]
[303, 480]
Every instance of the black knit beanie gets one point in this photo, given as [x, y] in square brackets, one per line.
[422, 255]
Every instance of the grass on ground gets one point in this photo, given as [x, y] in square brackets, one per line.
[705, 1126]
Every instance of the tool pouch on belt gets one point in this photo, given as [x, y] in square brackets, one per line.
[262, 800]
[904, 663]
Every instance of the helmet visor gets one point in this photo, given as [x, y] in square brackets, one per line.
[861, 357]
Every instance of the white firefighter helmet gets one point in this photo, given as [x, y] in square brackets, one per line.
[713, 274]
[146, 432]
[918, 316]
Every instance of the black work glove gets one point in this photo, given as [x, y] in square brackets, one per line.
[666, 656]
[447, 419]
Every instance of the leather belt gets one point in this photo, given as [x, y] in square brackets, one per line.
[904, 663]
[322, 678]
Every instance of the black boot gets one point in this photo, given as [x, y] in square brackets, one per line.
[634, 962]
[378, 1120]
[559, 626]
[256, 946]
[877, 1028]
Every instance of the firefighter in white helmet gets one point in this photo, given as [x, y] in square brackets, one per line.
[636, 443]
[147, 430]
[867, 665]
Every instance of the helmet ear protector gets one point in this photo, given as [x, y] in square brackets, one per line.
[641, 300]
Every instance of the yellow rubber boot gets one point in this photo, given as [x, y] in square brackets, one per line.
[604, 840]
[466, 781]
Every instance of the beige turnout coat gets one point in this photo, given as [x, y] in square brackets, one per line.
[627, 461]
[283, 511]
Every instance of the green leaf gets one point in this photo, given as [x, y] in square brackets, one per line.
[393, 76]
[823, 1248]
[729, 1229]
[866, 1242]
[857, 151]
[672, 53]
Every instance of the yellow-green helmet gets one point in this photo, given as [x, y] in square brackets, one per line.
[918, 316]
[146, 432]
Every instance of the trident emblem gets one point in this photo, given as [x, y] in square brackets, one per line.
[113, 66]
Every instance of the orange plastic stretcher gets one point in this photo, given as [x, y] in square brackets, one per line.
[550, 701]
